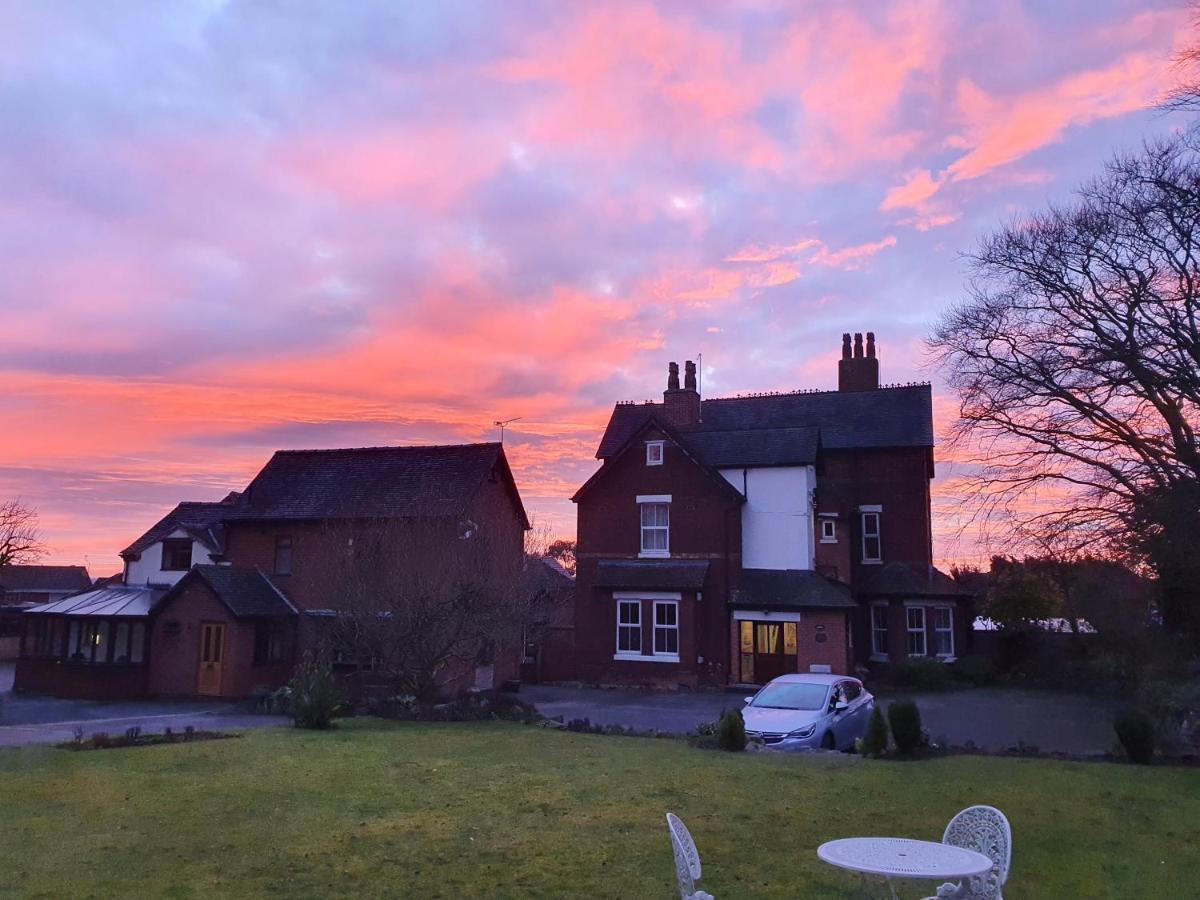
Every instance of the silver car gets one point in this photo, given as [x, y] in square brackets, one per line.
[799, 712]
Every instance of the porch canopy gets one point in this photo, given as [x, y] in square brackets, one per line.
[790, 589]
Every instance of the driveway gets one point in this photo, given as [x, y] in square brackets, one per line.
[993, 718]
[26, 719]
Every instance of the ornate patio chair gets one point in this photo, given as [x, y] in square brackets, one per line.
[687, 860]
[985, 830]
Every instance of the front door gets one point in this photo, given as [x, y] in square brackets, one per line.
[768, 650]
[212, 652]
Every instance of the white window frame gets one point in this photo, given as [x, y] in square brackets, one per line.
[865, 512]
[663, 500]
[653, 458]
[635, 603]
[939, 630]
[878, 652]
[664, 655]
[828, 529]
[910, 630]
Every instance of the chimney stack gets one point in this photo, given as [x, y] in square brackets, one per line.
[858, 372]
[681, 407]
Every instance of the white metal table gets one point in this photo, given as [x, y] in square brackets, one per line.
[891, 857]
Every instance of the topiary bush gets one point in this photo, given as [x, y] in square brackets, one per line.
[312, 697]
[974, 669]
[875, 741]
[731, 731]
[905, 721]
[920, 673]
[1135, 731]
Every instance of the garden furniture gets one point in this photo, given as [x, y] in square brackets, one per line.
[891, 857]
[687, 860]
[985, 830]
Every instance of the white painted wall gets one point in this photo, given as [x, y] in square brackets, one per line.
[777, 519]
[148, 569]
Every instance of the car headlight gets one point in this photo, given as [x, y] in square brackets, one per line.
[806, 731]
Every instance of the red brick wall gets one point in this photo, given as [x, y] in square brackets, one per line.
[175, 648]
[59, 678]
[705, 524]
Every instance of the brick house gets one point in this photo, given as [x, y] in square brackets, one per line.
[22, 587]
[223, 599]
[735, 540]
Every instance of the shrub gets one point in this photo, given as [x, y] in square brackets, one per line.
[731, 731]
[974, 669]
[312, 696]
[905, 721]
[920, 673]
[100, 740]
[1135, 731]
[875, 741]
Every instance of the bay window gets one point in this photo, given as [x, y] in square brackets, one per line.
[943, 630]
[629, 627]
[915, 621]
[879, 629]
[666, 628]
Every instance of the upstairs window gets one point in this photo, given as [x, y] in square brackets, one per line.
[654, 453]
[283, 555]
[872, 544]
[656, 527]
[176, 554]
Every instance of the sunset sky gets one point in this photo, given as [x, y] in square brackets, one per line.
[228, 228]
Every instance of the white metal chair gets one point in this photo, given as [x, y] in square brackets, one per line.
[985, 830]
[687, 860]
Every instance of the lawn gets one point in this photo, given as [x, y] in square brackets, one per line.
[485, 810]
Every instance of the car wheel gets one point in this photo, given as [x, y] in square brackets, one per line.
[827, 741]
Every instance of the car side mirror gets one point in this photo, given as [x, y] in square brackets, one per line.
[840, 705]
[748, 700]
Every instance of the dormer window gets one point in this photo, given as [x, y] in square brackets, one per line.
[655, 512]
[654, 453]
[176, 554]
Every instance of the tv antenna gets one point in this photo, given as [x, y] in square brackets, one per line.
[503, 423]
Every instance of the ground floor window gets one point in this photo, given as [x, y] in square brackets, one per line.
[629, 627]
[666, 628]
[879, 629]
[915, 620]
[96, 641]
[270, 642]
[943, 630]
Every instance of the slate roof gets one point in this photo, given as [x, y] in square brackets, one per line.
[201, 520]
[895, 579]
[790, 589]
[371, 482]
[764, 447]
[652, 574]
[245, 592]
[36, 579]
[887, 417]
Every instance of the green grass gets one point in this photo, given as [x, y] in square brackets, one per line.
[483, 810]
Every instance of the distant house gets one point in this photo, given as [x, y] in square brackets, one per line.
[222, 599]
[549, 645]
[22, 587]
[734, 540]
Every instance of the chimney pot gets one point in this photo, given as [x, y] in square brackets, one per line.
[673, 376]
[846, 345]
[858, 348]
[689, 376]
[870, 345]
[858, 372]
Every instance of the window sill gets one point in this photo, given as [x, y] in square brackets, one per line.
[640, 657]
[872, 562]
[879, 657]
[655, 554]
[828, 540]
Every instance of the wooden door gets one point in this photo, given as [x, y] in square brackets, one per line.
[774, 650]
[212, 653]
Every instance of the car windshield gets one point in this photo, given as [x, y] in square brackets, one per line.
[791, 696]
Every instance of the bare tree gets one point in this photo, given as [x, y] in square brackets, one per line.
[1185, 94]
[422, 603]
[20, 539]
[1076, 357]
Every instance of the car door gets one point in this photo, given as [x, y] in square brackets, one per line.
[858, 711]
[841, 718]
